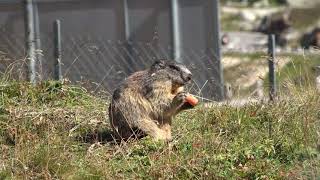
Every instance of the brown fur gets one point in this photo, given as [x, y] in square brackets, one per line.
[146, 102]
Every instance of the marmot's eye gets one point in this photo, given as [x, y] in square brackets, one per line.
[174, 67]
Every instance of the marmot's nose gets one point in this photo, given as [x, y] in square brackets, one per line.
[188, 77]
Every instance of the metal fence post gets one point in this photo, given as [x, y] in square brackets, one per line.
[271, 59]
[57, 50]
[128, 44]
[216, 45]
[176, 38]
[38, 55]
[30, 40]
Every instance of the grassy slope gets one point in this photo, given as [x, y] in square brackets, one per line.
[299, 71]
[51, 130]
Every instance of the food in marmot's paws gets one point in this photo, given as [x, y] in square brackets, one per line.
[192, 100]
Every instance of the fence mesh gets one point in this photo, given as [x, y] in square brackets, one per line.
[107, 62]
[95, 46]
[100, 63]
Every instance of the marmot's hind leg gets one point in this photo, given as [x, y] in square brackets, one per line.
[149, 127]
[167, 128]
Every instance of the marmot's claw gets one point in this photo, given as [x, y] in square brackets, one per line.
[181, 96]
[180, 101]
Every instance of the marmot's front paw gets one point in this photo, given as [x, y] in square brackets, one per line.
[181, 97]
[181, 101]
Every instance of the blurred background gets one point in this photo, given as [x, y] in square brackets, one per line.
[294, 22]
[244, 26]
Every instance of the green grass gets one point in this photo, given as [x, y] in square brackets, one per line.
[52, 130]
[300, 71]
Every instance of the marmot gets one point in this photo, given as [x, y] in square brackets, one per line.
[145, 102]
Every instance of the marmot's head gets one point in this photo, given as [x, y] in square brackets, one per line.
[177, 73]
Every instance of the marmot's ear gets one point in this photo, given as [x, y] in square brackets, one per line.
[159, 64]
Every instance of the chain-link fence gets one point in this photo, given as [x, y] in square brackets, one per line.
[105, 41]
[105, 62]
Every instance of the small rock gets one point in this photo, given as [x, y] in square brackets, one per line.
[248, 16]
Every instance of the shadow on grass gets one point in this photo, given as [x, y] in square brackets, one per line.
[106, 136]
[102, 136]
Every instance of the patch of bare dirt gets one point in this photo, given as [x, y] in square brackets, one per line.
[244, 73]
